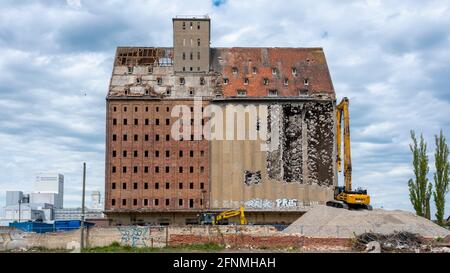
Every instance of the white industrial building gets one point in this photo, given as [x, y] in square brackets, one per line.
[49, 188]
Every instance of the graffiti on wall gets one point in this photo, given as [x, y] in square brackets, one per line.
[269, 204]
[134, 236]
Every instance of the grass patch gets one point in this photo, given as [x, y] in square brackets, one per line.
[115, 247]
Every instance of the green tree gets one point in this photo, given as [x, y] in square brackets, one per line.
[441, 176]
[420, 188]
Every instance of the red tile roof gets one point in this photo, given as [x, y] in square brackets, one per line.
[310, 64]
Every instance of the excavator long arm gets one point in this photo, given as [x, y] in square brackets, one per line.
[343, 112]
[232, 213]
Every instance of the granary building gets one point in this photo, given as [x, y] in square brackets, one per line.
[159, 174]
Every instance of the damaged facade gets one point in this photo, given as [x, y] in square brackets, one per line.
[152, 178]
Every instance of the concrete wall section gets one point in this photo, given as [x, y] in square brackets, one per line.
[288, 177]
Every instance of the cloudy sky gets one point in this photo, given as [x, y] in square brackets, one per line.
[391, 58]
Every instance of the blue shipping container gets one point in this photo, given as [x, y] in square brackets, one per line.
[29, 226]
[61, 225]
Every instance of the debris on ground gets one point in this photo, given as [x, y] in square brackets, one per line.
[324, 221]
[395, 242]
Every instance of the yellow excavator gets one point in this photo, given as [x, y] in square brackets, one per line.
[211, 218]
[344, 196]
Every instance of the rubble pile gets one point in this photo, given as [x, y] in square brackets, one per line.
[395, 242]
[323, 221]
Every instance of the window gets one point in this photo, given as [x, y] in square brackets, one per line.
[273, 93]
[180, 153]
[138, 80]
[202, 81]
[167, 121]
[136, 121]
[191, 153]
[159, 81]
[114, 153]
[201, 202]
[190, 68]
[124, 108]
[181, 81]
[145, 202]
[156, 169]
[184, 25]
[134, 202]
[306, 82]
[125, 121]
[145, 153]
[202, 153]
[191, 92]
[234, 70]
[113, 186]
[156, 202]
[146, 109]
[184, 56]
[114, 121]
[114, 137]
[198, 55]
[113, 169]
[198, 41]
[114, 109]
[190, 25]
[146, 169]
[167, 109]
[135, 153]
[135, 169]
[198, 25]
[246, 81]
[124, 169]
[180, 186]
[113, 202]
[124, 186]
[274, 71]
[294, 71]
[167, 153]
[130, 70]
[157, 109]
[254, 70]
[241, 93]
[125, 137]
[168, 91]
[180, 169]
[135, 186]
[167, 185]
[202, 185]
[167, 137]
[180, 202]
[156, 153]
[286, 81]
[135, 109]
[146, 137]
[202, 169]
[191, 56]
[156, 186]
[191, 185]
[124, 202]
[135, 137]
[191, 169]
[167, 169]
[303, 92]
[167, 202]
[266, 81]
[191, 203]
[157, 121]
[146, 185]
[225, 81]
[124, 153]
[146, 121]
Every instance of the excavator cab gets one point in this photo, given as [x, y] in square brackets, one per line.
[344, 196]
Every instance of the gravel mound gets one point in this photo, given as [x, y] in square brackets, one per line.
[323, 221]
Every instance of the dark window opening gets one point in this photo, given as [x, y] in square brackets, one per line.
[113, 186]
[135, 186]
